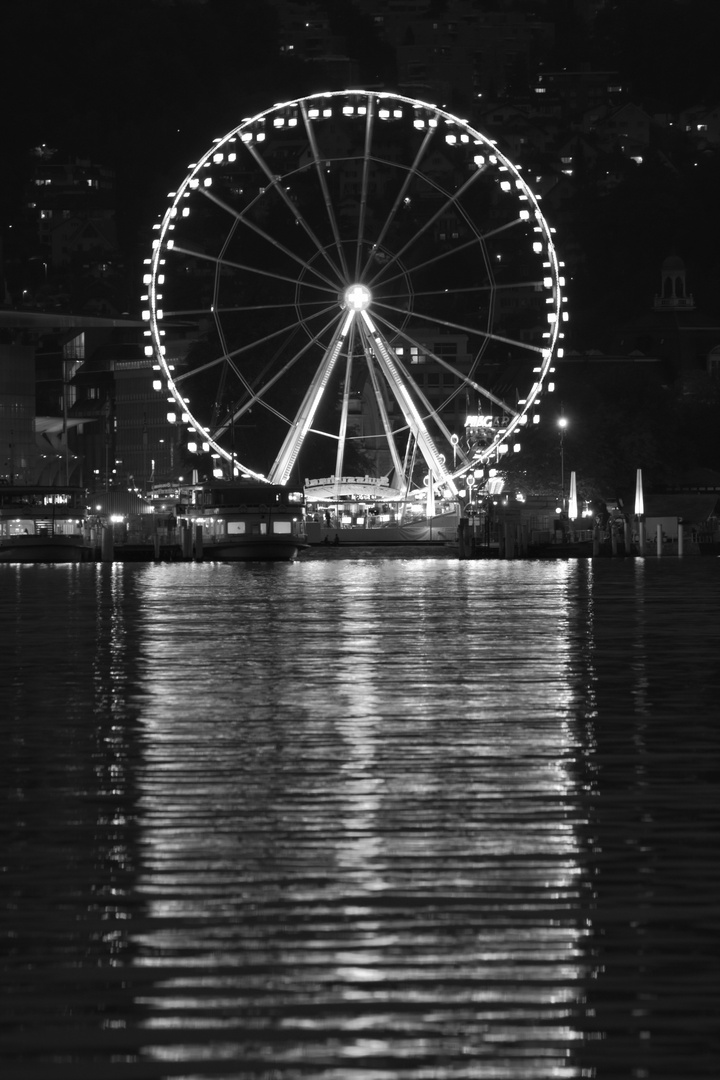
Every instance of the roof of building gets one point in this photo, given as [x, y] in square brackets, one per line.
[45, 320]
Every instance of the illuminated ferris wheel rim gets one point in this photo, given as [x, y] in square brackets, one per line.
[355, 295]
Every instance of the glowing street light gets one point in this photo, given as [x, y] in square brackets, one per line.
[562, 424]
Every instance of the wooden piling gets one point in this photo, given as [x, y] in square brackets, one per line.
[186, 541]
[107, 550]
[462, 538]
[596, 541]
[510, 540]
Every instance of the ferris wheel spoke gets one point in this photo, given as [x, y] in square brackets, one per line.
[464, 377]
[458, 291]
[294, 209]
[512, 224]
[243, 220]
[317, 161]
[430, 410]
[258, 394]
[249, 346]
[447, 254]
[230, 366]
[227, 356]
[234, 415]
[451, 200]
[384, 418]
[345, 405]
[183, 376]
[284, 462]
[238, 308]
[478, 239]
[472, 330]
[369, 119]
[388, 364]
[231, 264]
[410, 175]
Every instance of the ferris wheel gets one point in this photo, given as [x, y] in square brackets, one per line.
[354, 281]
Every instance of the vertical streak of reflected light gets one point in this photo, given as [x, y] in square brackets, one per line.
[380, 867]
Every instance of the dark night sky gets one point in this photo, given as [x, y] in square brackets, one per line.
[145, 86]
[138, 86]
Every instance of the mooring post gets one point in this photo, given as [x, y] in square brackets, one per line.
[107, 550]
[462, 526]
[509, 542]
[186, 541]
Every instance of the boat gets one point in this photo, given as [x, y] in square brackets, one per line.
[243, 520]
[43, 524]
[366, 510]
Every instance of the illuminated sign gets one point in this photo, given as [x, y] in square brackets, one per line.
[374, 480]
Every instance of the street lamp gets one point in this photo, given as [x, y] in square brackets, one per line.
[562, 424]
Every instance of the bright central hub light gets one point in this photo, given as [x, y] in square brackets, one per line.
[357, 297]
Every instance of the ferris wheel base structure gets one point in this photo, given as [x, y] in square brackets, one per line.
[362, 270]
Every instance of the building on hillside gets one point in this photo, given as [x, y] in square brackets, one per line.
[55, 397]
[19, 454]
[581, 90]
[72, 202]
[63, 254]
[702, 124]
[627, 129]
[146, 443]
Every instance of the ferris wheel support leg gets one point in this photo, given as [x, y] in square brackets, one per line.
[342, 433]
[283, 464]
[438, 473]
[385, 419]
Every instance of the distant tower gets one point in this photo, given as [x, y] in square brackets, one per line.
[673, 289]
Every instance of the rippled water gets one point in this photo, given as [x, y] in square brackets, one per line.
[377, 818]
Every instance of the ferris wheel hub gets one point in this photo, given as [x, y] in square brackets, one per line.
[357, 297]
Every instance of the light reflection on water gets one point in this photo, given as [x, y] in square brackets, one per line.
[388, 818]
[362, 876]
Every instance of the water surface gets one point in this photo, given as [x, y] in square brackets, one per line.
[381, 817]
